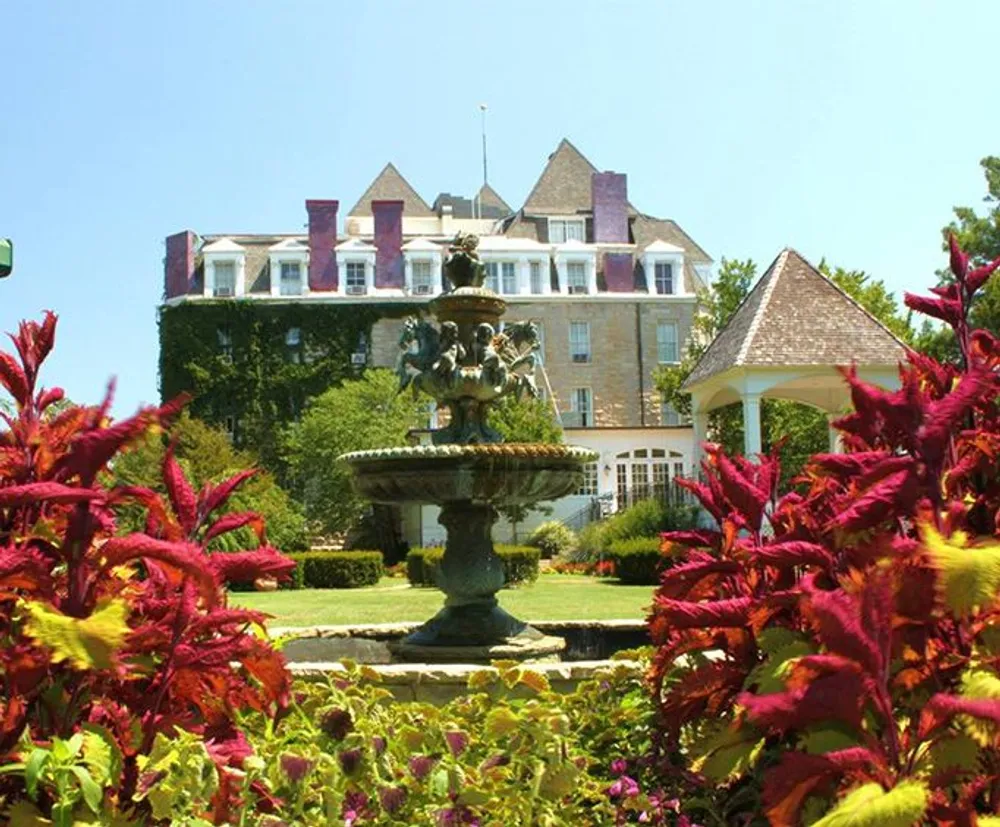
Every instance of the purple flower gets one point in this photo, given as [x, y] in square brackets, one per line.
[618, 767]
[337, 723]
[420, 765]
[623, 787]
[295, 767]
[350, 761]
[354, 807]
[392, 798]
[457, 742]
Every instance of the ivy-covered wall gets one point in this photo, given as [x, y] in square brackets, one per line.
[233, 357]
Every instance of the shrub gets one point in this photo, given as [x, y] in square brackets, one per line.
[647, 518]
[520, 564]
[338, 569]
[855, 674]
[638, 561]
[126, 636]
[553, 539]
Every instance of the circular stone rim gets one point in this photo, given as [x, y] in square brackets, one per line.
[514, 450]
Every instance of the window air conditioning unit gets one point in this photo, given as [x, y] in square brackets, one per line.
[578, 289]
[359, 359]
[356, 290]
[223, 292]
[421, 289]
[581, 357]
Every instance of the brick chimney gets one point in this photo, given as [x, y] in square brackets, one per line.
[388, 243]
[609, 193]
[619, 275]
[178, 271]
[322, 240]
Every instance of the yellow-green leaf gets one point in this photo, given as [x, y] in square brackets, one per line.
[979, 684]
[534, 680]
[500, 722]
[728, 754]
[101, 753]
[481, 678]
[970, 574]
[828, 739]
[558, 780]
[871, 806]
[770, 675]
[958, 751]
[87, 643]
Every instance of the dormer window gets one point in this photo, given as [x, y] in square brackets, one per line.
[422, 278]
[576, 276]
[562, 230]
[354, 278]
[225, 279]
[664, 278]
[536, 278]
[291, 278]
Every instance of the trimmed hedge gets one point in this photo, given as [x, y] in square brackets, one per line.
[337, 569]
[638, 561]
[520, 565]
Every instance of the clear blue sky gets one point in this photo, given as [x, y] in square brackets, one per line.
[845, 129]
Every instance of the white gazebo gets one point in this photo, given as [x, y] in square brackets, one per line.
[785, 342]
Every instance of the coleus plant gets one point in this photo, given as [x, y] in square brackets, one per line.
[843, 640]
[111, 644]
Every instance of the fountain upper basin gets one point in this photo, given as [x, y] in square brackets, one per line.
[508, 473]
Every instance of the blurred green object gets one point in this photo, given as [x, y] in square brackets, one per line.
[6, 257]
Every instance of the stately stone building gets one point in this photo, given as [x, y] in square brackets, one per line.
[612, 289]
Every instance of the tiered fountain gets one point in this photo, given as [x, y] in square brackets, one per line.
[466, 365]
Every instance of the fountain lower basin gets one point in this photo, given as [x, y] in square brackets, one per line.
[469, 482]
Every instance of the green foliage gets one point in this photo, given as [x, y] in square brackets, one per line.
[206, 455]
[265, 384]
[553, 539]
[644, 519]
[338, 569]
[360, 414]
[638, 561]
[484, 758]
[871, 806]
[520, 565]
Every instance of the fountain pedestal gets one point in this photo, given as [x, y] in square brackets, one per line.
[467, 366]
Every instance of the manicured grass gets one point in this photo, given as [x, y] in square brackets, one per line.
[552, 597]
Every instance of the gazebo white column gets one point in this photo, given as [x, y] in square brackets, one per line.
[751, 425]
[836, 444]
[699, 419]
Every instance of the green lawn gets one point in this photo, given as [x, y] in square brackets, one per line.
[552, 597]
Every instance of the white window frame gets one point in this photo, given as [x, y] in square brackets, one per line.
[675, 259]
[590, 486]
[565, 221]
[576, 253]
[657, 265]
[661, 343]
[226, 251]
[367, 260]
[278, 257]
[544, 280]
[575, 408]
[590, 345]
[422, 256]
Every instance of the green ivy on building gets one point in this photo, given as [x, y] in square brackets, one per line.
[253, 366]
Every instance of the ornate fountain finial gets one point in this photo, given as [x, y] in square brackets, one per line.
[463, 267]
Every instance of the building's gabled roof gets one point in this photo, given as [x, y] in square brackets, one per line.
[290, 245]
[223, 245]
[796, 316]
[646, 230]
[564, 187]
[390, 185]
[493, 205]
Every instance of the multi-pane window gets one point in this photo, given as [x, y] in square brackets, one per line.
[354, 278]
[291, 278]
[579, 341]
[588, 488]
[360, 356]
[492, 280]
[568, 229]
[664, 278]
[225, 278]
[576, 276]
[666, 343]
[582, 404]
[422, 277]
[537, 284]
[225, 340]
[660, 480]
[508, 276]
[668, 414]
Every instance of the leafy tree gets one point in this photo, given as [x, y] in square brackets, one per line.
[804, 428]
[206, 456]
[360, 414]
[525, 420]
